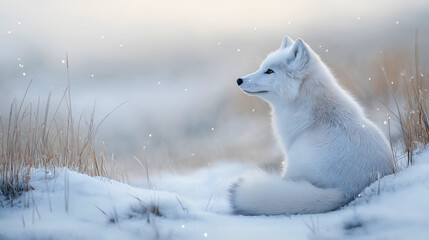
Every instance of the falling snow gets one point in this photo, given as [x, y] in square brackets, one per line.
[203, 231]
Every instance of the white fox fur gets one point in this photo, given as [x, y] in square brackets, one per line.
[333, 151]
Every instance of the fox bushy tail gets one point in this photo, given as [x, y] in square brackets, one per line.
[265, 194]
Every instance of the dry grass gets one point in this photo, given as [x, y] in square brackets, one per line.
[411, 101]
[31, 138]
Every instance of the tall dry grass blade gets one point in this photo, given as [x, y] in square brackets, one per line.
[396, 103]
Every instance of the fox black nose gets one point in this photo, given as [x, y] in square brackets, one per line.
[239, 81]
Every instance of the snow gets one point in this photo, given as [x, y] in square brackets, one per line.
[195, 206]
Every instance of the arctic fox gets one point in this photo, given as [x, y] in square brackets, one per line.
[333, 151]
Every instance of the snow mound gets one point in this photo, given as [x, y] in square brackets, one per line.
[195, 206]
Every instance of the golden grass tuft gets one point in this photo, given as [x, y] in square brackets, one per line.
[412, 111]
[32, 139]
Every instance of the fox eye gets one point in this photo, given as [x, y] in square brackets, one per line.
[269, 71]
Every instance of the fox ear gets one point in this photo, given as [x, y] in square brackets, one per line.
[300, 53]
[287, 42]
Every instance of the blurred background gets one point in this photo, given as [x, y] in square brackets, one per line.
[174, 64]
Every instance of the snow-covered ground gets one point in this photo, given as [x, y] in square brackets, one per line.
[195, 206]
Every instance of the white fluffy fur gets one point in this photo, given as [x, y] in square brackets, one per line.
[333, 151]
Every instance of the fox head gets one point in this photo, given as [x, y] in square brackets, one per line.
[281, 74]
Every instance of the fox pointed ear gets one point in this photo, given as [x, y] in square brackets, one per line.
[300, 54]
[287, 42]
